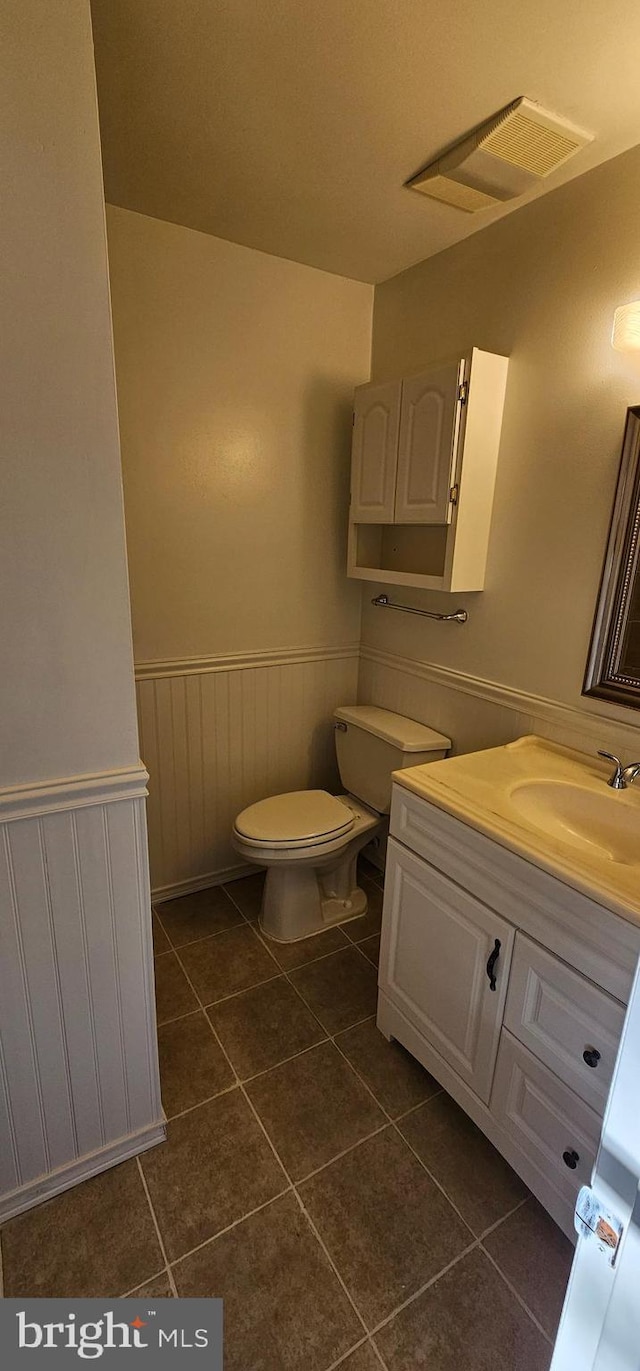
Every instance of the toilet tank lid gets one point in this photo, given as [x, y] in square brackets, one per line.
[406, 734]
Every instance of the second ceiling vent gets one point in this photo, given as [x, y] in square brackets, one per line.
[503, 158]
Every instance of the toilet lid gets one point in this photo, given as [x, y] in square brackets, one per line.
[297, 819]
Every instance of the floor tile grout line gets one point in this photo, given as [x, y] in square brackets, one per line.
[211, 1026]
[235, 902]
[184, 1256]
[256, 1116]
[393, 1124]
[226, 1090]
[304, 1210]
[298, 1198]
[257, 1075]
[157, 1227]
[411, 1299]
[335, 1365]
[332, 1036]
[345, 1153]
[522, 1302]
[498, 1223]
[413, 1108]
[377, 1353]
[156, 905]
[436, 1182]
[311, 961]
[358, 947]
[211, 1004]
[131, 1294]
[362, 1080]
[334, 1268]
[192, 941]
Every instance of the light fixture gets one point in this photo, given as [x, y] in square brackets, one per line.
[507, 155]
[625, 334]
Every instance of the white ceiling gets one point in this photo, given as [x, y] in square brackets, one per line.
[291, 126]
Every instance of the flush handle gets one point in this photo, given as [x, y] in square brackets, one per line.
[591, 1056]
[340, 726]
[492, 962]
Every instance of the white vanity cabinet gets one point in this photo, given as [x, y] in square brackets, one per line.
[442, 983]
[525, 1041]
[424, 457]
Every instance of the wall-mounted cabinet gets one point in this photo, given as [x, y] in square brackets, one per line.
[425, 451]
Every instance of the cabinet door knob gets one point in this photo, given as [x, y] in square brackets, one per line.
[491, 964]
[571, 1158]
[591, 1056]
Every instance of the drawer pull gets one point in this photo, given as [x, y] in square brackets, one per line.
[571, 1158]
[491, 964]
[591, 1056]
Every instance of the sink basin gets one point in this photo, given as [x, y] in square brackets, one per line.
[603, 823]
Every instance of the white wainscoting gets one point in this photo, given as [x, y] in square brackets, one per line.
[218, 733]
[477, 714]
[79, 1084]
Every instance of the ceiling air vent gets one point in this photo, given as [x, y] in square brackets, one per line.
[503, 158]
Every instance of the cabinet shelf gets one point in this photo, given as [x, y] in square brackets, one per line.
[425, 452]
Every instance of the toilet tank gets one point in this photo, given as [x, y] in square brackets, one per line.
[372, 742]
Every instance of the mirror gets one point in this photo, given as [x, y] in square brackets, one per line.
[613, 666]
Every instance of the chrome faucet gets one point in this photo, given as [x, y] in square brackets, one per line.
[622, 776]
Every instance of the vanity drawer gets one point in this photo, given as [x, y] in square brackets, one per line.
[546, 1120]
[564, 1020]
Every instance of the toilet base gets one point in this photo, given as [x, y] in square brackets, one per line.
[300, 900]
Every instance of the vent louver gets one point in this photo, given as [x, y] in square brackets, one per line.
[502, 159]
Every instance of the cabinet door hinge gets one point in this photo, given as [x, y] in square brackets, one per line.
[463, 392]
[453, 495]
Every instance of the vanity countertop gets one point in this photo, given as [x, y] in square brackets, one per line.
[550, 805]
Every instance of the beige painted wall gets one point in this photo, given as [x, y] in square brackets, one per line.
[540, 286]
[66, 687]
[235, 379]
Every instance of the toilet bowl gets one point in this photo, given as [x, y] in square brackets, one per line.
[309, 840]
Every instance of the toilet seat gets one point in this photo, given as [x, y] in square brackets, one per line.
[298, 819]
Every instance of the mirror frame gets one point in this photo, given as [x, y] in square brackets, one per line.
[604, 676]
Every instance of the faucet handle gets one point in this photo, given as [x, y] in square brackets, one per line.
[617, 781]
[610, 757]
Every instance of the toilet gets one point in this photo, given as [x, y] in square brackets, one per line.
[309, 840]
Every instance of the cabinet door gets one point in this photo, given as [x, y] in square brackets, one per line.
[375, 453]
[427, 446]
[436, 941]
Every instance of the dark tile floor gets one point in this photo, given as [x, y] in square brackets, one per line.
[314, 1175]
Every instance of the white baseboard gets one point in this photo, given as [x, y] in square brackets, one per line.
[36, 1192]
[189, 887]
